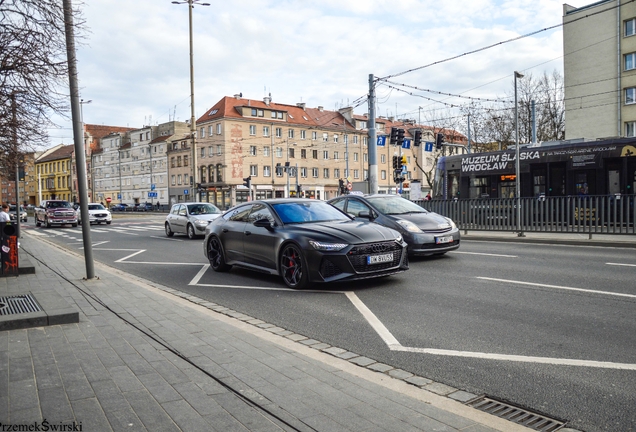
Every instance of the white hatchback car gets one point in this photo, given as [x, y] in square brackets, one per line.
[190, 218]
[97, 214]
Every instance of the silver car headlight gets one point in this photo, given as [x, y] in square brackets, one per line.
[201, 223]
[409, 226]
[452, 224]
[327, 247]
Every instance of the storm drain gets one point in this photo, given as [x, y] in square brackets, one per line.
[517, 415]
[18, 304]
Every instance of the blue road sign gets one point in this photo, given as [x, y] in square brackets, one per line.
[428, 146]
[152, 194]
[118, 196]
[406, 143]
[152, 187]
[186, 192]
[381, 140]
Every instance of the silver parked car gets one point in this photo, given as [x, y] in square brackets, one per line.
[190, 218]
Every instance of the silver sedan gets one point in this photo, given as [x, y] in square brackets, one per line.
[190, 218]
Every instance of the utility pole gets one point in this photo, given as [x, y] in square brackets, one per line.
[373, 146]
[80, 159]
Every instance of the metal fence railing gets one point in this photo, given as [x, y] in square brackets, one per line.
[571, 214]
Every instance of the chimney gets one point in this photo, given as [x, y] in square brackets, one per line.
[391, 118]
[237, 96]
[301, 105]
[321, 109]
[267, 100]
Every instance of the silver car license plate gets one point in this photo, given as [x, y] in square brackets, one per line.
[442, 240]
[379, 259]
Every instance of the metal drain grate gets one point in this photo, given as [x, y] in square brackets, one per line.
[18, 304]
[517, 415]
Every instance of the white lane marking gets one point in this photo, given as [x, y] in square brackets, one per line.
[373, 321]
[486, 254]
[101, 243]
[166, 238]
[621, 264]
[198, 276]
[518, 358]
[559, 287]
[394, 345]
[130, 256]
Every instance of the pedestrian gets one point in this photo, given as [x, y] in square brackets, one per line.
[157, 205]
[4, 214]
[427, 197]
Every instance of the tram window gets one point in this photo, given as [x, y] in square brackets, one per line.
[582, 187]
[479, 187]
[453, 185]
[538, 182]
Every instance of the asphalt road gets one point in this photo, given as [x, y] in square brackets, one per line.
[546, 327]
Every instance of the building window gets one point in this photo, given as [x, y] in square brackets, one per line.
[303, 172]
[279, 132]
[355, 157]
[218, 129]
[261, 113]
[336, 173]
[303, 153]
[325, 172]
[630, 27]
[314, 135]
[336, 155]
[186, 179]
[254, 170]
[383, 175]
[202, 132]
[265, 131]
[356, 173]
[210, 151]
[630, 95]
[279, 152]
[219, 173]
[254, 112]
[630, 61]
[267, 171]
[314, 172]
[325, 154]
[202, 152]
[210, 130]
[219, 149]
[314, 154]
[325, 137]
[266, 151]
[290, 133]
[179, 179]
[630, 129]
[252, 129]
[174, 181]
[303, 134]
[252, 150]
[291, 153]
[185, 161]
[335, 138]
[383, 158]
[355, 139]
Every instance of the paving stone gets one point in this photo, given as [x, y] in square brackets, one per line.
[347, 355]
[151, 414]
[418, 381]
[320, 346]
[400, 374]
[439, 388]
[309, 342]
[125, 379]
[22, 395]
[362, 361]
[109, 396]
[55, 405]
[89, 414]
[186, 418]
[296, 337]
[124, 420]
[380, 367]
[462, 396]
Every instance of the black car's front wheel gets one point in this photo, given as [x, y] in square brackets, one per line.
[216, 257]
[293, 268]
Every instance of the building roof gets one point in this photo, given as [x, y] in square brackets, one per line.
[63, 152]
[97, 132]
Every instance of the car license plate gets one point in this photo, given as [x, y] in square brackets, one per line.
[379, 259]
[442, 240]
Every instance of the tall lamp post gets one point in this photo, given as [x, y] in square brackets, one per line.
[82, 102]
[517, 164]
[193, 126]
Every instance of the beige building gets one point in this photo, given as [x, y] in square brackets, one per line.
[599, 45]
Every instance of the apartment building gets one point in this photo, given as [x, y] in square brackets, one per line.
[131, 166]
[53, 170]
[599, 47]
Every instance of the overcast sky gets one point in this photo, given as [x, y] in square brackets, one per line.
[134, 62]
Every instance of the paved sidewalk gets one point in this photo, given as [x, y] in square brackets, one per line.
[146, 357]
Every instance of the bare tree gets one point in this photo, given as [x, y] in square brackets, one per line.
[33, 73]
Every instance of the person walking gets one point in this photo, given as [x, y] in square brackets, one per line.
[4, 214]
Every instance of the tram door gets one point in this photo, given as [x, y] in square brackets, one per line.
[613, 182]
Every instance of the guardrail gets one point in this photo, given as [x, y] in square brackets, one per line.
[580, 214]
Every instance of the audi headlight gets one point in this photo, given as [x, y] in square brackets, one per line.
[327, 247]
[452, 224]
[409, 226]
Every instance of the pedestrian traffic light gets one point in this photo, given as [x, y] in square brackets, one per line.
[400, 136]
[417, 138]
[299, 189]
[396, 162]
[341, 186]
[439, 141]
[394, 133]
[247, 182]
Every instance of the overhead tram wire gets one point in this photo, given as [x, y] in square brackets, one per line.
[504, 42]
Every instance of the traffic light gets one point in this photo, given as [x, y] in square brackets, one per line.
[247, 182]
[400, 136]
[396, 162]
[439, 141]
[299, 189]
[394, 134]
[341, 185]
[404, 161]
[279, 169]
[417, 138]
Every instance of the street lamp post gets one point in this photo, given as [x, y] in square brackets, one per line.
[82, 102]
[517, 164]
[193, 126]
